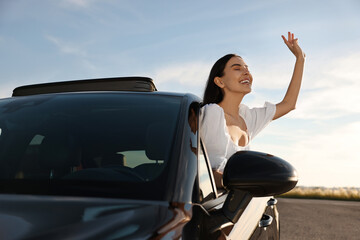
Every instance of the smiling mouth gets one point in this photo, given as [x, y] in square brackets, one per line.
[245, 82]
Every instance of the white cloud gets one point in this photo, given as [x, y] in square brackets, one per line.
[335, 92]
[319, 72]
[332, 72]
[329, 90]
[329, 103]
[320, 158]
[271, 76]
[191, 73]
[183, 77]
[66, 48]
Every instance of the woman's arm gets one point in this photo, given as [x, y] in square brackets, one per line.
[289, 101]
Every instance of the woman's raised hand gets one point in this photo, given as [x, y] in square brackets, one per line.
[293, 45]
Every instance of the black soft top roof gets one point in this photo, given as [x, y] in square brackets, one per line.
[137, 84]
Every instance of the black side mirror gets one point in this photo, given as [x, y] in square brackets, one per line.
[258, 173]
[250, 174]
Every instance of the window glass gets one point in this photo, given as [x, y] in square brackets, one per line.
[87, 137]
[206, 189]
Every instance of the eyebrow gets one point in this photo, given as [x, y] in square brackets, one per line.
[238, 65]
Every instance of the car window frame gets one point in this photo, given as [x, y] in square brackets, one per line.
[208, 165]
[220, 196]
[209, 172]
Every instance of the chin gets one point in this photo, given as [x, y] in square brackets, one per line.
[247, 91]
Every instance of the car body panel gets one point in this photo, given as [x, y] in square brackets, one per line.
[49, 217]
[249, 219]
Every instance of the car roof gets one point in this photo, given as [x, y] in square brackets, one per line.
[124, 85]
[137, 84]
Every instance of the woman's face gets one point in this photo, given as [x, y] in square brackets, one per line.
[236, 78]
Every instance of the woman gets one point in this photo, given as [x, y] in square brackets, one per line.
[228, 126]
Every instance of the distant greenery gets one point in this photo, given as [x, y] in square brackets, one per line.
[349, 194]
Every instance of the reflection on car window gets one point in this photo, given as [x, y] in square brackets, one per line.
[94, 137]
[206, 190]
[37, 140]
[142, 164]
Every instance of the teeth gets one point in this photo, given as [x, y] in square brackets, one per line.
[245, 81]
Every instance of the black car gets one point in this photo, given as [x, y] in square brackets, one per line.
[116, 159]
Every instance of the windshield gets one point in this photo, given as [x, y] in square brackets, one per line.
[82, 144]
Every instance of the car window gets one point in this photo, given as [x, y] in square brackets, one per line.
[87, 137]
[205, 182]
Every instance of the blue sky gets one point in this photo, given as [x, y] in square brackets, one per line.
[176, 43]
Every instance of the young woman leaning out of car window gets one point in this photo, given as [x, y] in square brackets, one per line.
[227, 125]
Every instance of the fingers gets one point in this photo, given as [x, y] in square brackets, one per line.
[292, 43]
[288, 43]
[291, 38]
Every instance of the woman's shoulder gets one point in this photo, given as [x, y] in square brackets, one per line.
[211, 107]
[212, 112]
[258, 117]
[212, 129]
[268, 109]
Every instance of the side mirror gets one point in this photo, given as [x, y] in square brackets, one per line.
[249, 174]
[259, 174]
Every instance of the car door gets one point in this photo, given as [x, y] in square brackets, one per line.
[253, 222]
[208, 220]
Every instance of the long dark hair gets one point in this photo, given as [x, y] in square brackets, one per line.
[213, 93]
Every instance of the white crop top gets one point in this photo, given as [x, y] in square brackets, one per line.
[214, 133]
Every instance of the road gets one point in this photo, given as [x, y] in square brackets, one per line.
[318, 219]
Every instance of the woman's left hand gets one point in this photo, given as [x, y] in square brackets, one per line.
[293, 46]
